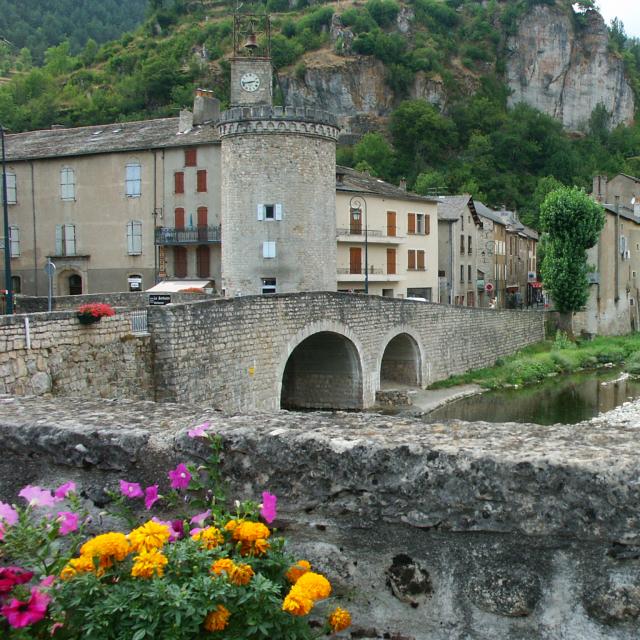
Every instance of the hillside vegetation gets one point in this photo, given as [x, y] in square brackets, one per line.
[511, 157]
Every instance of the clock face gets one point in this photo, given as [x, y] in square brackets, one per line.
[250, 82]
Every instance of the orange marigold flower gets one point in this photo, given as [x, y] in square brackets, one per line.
[297, 604]
[148, 563]
[209, 537]
[241, 574]
[222, 565]
[299, 569]
[218, 619]
[83, 564]
[339, 620]
[107, 546]
[232, 524]
[260, 547]
[151, 535]
[250, 531]
[313, 586]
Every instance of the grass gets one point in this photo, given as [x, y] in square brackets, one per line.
[544, 359]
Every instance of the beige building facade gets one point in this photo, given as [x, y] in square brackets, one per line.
[387, 238]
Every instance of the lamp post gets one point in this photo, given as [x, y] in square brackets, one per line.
[7, 242]
[356, 206]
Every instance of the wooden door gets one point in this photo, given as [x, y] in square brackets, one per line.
[355, 260]
[391, 261]
[391, 223]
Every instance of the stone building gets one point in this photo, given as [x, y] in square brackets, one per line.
[387, 238]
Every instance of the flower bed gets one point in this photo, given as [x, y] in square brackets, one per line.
[92, 312]
[217, 573]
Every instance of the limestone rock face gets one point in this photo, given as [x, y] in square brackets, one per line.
[565, 69]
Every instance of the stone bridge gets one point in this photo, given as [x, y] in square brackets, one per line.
[321, 350]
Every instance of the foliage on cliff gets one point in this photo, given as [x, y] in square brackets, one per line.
[474, 144]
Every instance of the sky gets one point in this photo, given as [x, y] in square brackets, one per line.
[625, 10]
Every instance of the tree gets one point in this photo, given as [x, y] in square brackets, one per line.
[572, 222]
[376, 153]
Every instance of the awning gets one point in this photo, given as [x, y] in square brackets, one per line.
[173, 286]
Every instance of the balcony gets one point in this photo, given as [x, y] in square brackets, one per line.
[355, 234]
[193, 235]
[355, 273]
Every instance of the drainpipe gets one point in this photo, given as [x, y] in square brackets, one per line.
[450, 283]
[617, 254]
[35, 228]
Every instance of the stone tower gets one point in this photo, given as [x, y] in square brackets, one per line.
[278, 181]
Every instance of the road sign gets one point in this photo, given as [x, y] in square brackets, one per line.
[49, 268]
[488, 287]
[159, 298]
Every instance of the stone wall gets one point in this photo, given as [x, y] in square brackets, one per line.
[233, 353]
[428, 531]
[66, 358]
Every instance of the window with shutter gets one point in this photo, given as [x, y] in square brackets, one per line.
[180, 262]
[391, 223]
[427, 224]
[67, 184]
[133, 180]
[179, 218]
[190, 157]
[411, 259]
[420, 260]
[391, 261]
[203, 261]
[134, 237]
[461, 244]
[201, 181]
[411, 223]
[14, 241]
[355, 260]
[269, 249]
[12, 191]
[69, 240]
[178, 180]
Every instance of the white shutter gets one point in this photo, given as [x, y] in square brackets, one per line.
[260, 212]
[137, 237]
[59, 241]
[14, 241]
[70, 240]
[129, 238]
[269, 249]
[278, 212]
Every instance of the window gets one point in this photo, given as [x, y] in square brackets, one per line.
[202, 181]
[178, 182]
[180, 262]
[461, 244]
[190, 157]
[133, 180]
[12, 192]
[269, 249]
[269, 212]
[420, 260]
[14, 241]
[134, 237]
[415, 260]
[461, 273]
[67, 184]
[411, 260]
[268, 285]
[469, 273]
[411, 223]
[355, 260]
[422, 224]
[469, 249]
[75, 285]
[16, 284]
[391, 261]
[179, 218]
[391, 223]
[462, 223]
[203, 262]
[66, 239]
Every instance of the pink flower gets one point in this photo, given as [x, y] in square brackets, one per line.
[151, 496]
[8, 513]
[130, 489]
[200, 431]
[268, 510]
[2, 530]
[200, 517]
[37, 497]
[55, 626]
[68, 522]
[47, 582]
[64, 490]
[180, 477]
[175, 531]
[11, 576]
[22, 614]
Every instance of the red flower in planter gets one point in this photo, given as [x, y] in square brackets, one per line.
[95, 310]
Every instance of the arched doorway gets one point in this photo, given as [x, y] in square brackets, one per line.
[323, 372]
[401, 361]
[75, 285]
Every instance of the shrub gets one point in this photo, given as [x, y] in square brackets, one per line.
[632, 364]
[384, 12]
[563, 341]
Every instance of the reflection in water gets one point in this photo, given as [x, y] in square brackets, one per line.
[564, 399]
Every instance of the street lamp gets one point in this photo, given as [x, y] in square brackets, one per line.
[7, 243]
[356, 205]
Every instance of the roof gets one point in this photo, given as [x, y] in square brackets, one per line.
[353, 181]
[452, 207]
[105, 138]
[507, 219]
[625, 212]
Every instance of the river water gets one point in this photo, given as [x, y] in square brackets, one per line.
[562, 399]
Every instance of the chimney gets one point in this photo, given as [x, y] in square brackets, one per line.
[206, 108]
[403, 184]
[186, 121]
[339, 177]
[600, 188]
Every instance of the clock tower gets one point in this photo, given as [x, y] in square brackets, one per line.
[251, 72]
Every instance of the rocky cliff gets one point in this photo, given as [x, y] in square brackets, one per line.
[556, 62]
[565, 69]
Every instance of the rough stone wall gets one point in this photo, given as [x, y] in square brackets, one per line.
[249, 340]
[67, 358]
[428, 531]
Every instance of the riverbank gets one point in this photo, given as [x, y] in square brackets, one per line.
[546, 359]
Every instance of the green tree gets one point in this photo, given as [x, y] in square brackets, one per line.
[374, 151]
[572, 222]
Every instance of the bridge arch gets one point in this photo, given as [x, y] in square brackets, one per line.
[401, 358]
[322, 369]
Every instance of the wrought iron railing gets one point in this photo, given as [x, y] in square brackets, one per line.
[355, 270]
[191, 235]
[358, 231]
[138, 320]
